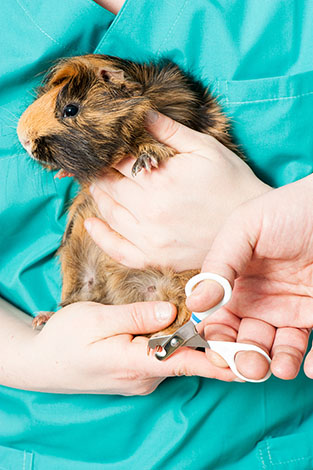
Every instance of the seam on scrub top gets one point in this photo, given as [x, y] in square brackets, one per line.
[172, 28]
[262, 459]
[283, 461]
[268, 99]
[37, 25]
[290, 461]
[113, 25]
[269, 453]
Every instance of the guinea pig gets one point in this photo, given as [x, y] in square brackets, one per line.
[90, 114]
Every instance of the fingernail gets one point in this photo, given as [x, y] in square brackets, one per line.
[151, 117]
[198, 290]
[87, 225]
[92, 188]
[239, 380]
[163, 312]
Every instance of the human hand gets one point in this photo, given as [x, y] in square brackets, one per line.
[87, 348]
[113, 6]
[170, 216]
[265, 249]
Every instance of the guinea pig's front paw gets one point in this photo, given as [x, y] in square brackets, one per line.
[146, 161]
[150, 155]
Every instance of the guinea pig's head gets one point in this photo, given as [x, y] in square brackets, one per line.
[79, 121]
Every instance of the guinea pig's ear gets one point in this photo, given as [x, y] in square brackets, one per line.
[111, 75]
[57, 75]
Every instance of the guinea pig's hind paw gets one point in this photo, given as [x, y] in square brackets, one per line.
[145, 161]
[41, 318]
[62, 174]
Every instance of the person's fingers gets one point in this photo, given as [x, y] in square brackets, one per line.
[204, 296]
[228, 256]
[137, 363]
[221, 318]
[111, 211]
[288, 350]
[133, 319]
[125, 167]
[118, 248]
[185, 361]
[251, 364]
[220, 326]
[277, 302]
[175, 135]
[148, 317]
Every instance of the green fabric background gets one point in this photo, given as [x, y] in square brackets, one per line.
[257, 58]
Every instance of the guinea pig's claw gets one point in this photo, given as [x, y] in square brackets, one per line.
[62, 174]
[41, 318]
[145, 161]
[151, 351]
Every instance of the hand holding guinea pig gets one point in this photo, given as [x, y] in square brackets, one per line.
[170, 217]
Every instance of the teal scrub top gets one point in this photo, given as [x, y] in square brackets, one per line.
[257, 58]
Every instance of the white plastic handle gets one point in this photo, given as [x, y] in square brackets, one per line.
[226, 349]
[197, 317]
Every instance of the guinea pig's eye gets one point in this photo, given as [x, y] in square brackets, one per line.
[70, 110]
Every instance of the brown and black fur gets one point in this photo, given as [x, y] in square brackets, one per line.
[112, 96]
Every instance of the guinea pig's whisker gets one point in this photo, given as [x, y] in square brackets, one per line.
[12, 120]
[10, 112]
[32, 94]
[37, 169]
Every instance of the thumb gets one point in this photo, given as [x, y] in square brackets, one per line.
[175, 135]
[229, 255]
[138, 318]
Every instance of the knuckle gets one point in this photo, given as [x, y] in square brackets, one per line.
[170, 129]
[136, 384]
[133, 376]
[137, 318]
[181, 370]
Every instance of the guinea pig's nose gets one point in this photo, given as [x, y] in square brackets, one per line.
[26, 144]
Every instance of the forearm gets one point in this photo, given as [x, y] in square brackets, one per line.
[16, 336]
